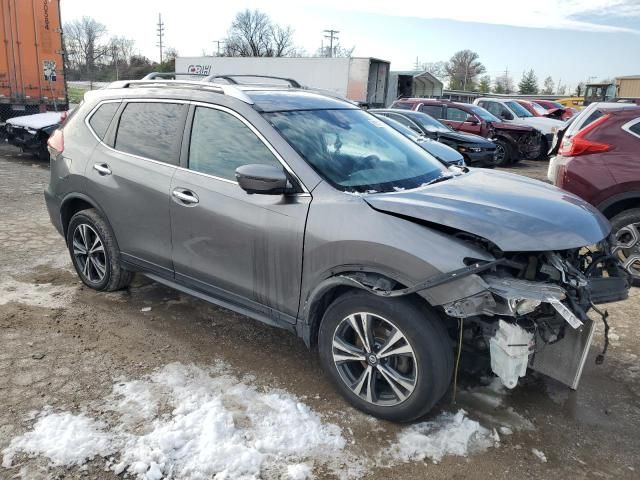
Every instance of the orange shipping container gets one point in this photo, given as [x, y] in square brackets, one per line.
[31, 58]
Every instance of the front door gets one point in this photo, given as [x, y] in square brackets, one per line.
[460, 120]
[241, 248]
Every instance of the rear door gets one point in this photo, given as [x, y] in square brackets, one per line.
[129, 176]
[241, 248]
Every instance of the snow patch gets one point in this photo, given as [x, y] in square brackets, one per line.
[448, 434]
[190, 423]
[64, 438]
[541, 456]
[42, 295]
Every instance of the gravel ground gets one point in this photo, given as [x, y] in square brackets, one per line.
[63, 345]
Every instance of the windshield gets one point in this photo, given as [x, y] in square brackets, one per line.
[398, 127]
[355, 151]
[429, 123]
[539, 109]
[518, 109]
[483, 114]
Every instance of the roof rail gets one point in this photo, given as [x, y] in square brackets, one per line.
[232, 79]
[229, 90]
[172, 75]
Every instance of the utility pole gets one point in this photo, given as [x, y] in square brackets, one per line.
[218, 42]
[114, 54]
[506, 80]
[332, 36]
[416, 67]
[160, 34]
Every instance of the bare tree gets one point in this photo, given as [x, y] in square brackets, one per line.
[84, 44]
[463, 69]
[252, 34]
[504, 84]
[338, 51]
[549, 86]
[437, 69]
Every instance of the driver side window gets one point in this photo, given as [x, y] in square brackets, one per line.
[220, 143]
[456, 115]
[406, 122]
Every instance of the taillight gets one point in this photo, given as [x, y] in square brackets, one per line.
[56, 142]
[579, 145]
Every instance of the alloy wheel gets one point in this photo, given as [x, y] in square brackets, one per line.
[88, 251]
[374, 359]
[627, 248]
[499, 155]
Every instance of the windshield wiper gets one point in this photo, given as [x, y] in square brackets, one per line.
[441, 178]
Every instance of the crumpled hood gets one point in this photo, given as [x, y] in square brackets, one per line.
[463, 137]
[544, 124]
[513, 212]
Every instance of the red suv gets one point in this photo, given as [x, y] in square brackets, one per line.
[513, 142]
[601, 163]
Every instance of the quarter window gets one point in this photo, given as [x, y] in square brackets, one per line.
[101, 118]
[635, 128]
[220, 143]
[151, 130]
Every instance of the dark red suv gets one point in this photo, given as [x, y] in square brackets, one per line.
[513, 142]
[601, 163]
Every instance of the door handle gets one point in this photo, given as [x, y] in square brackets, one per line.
[102, 168]
[185, 196]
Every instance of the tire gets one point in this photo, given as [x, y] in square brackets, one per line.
[427, 369]
[626, 229]
[103, 272]
[504, 153]
[544, 149]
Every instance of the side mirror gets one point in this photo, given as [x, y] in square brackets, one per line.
[262, 179]
[506, 115]
[472, 119]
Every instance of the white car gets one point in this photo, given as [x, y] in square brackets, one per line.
[510, 111]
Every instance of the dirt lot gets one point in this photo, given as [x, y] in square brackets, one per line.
[64, 348]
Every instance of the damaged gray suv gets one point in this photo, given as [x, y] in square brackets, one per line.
[305, 212]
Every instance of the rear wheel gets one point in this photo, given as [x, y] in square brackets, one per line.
[94, 252]
[626, 228]
[387, 356]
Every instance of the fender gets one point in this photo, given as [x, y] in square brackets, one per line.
[69, 197]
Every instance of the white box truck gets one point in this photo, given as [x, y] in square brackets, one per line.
[360, 79]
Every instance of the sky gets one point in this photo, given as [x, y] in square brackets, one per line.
[569, 40]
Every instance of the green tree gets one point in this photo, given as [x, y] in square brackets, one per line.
[549, 86]
[528, 84]
[485, 84]
[462, 69]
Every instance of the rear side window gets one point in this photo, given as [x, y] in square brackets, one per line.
[102, 117]
[456, 114]
[151, 130]
[635, 128]
[434, 110]
[402, 105]
[220, 143]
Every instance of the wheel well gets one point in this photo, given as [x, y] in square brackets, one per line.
[319, 305]
[620, 206]
[70, 208]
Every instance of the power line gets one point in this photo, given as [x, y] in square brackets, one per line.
[160, 35]
[332, 36]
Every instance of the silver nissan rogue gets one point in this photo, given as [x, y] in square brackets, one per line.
[303, 211]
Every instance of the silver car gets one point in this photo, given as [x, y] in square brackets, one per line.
[305, 212]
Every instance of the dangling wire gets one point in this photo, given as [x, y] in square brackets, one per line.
[455, 373]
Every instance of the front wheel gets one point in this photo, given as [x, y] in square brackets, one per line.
[626, 229]
[389, 357]
[503, 155]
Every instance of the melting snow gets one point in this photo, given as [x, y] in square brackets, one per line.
[448, 434]
[63, 438]
[189, 423]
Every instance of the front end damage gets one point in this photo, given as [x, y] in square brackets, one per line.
[534, 311]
